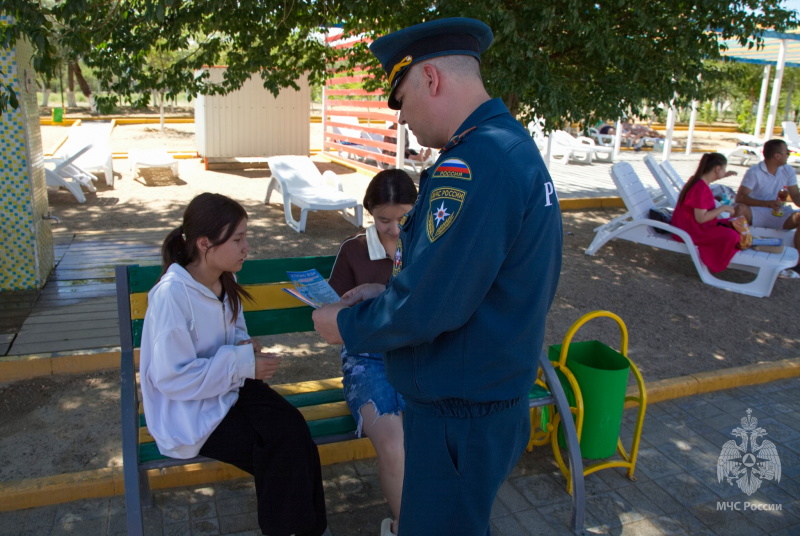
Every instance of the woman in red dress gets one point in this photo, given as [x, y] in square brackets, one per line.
[697, 214]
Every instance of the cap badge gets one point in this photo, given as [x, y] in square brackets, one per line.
[398, 67]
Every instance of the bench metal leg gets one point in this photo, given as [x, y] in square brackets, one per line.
[135, 481]
[129, 410]
[573, 446]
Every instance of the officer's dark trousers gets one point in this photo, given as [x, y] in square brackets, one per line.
[457, 456]
[267, 437]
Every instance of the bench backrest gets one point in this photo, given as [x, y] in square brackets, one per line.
[273, 310]
[633, 193]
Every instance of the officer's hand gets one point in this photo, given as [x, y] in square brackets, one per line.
[325, 322]
[367, 291]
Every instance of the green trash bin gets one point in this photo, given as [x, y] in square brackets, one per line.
[602, 376]
[58, 115]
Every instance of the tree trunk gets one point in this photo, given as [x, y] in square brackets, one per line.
[788, 108]
[71, 102]
[76, 72]
[161, 108]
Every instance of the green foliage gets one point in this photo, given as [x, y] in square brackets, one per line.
[708, 113]
[567, 60]
[579, 60]
[744, 115]
[8, 97]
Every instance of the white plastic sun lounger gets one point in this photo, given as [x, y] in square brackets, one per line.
[671, 184]
[64, 165]
[582, 149]
[640, 229]
[151, 158]
[302, 185]
[72, 185]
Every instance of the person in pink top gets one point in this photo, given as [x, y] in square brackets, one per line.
[697, 214]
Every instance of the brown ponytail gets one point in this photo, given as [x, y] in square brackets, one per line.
[215, 217]
[707, 162]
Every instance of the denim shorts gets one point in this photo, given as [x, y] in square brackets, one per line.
[364, 379]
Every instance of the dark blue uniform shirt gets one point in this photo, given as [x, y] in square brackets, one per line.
[478, 264]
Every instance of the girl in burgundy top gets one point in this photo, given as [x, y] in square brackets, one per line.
[368, 258]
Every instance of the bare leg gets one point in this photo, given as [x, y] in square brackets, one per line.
[793, 223]
[386, 434]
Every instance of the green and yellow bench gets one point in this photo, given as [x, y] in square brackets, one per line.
[272, 312]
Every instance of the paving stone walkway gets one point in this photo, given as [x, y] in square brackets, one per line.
[676, 490]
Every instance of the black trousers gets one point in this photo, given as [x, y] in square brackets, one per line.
[267, 437]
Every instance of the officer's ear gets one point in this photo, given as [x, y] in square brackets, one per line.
[430, 79]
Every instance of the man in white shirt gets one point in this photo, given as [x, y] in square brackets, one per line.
[758, 193]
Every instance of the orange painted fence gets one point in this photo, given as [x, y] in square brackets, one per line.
[356, 121]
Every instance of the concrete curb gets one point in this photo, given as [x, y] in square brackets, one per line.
[23, 367]
[17, 495]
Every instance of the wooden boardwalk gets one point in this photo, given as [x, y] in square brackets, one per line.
[75, 312]
[77, 308]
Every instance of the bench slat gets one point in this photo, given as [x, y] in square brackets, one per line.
[309, 386]
[265, 298]
[259, 323]
[344, 424]
[142, 278]
[312, 413]
[315, 398]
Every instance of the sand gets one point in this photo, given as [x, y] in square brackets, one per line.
[677, 325]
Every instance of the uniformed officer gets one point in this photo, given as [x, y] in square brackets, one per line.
[462, 319]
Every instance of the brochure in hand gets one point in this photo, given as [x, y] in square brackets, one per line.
[311, 288]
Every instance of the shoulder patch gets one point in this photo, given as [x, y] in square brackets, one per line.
[452, 168]
[444, 205]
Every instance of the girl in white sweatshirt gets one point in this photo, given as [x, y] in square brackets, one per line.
[201, 373]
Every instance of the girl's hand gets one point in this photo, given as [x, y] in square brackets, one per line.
[266, 365]
[367, 291]
[729, 173]
[255, 342]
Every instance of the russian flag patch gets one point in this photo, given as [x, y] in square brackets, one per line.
[452, 168]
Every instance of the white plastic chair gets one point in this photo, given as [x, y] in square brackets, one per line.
[98, 159]
[676, 180]
[637, 227]
[70, 184]
[667, 186]
[64, 165]
[581, 149]
[675, 183]
[151, 158]
[606, 140]
[302, 185]
[790, 133]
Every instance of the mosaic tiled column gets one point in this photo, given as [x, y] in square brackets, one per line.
[26, 248]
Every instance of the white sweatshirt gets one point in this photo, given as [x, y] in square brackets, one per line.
[190, 366]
